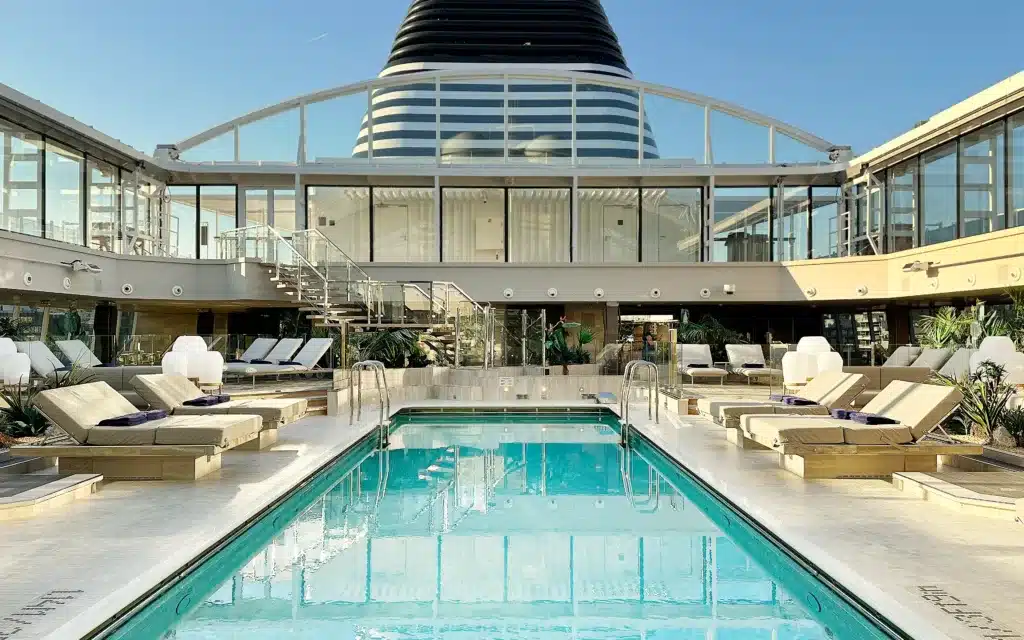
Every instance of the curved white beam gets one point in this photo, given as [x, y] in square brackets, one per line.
[499, 73]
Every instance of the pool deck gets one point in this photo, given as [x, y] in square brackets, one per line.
[68, 571]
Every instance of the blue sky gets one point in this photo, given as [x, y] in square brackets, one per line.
[854, 73]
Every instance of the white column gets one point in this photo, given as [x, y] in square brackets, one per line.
[300, 154]
[708, 155]
[437, 212]
[574, 215]
[771, 144]
[640, 127]
[709, 220]
[369, 121]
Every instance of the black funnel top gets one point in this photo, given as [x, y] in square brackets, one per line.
[507, 32]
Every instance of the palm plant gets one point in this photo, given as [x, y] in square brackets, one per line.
[948, 328]
[708, 330]
[21, 418]
[986, 395]
[15, 329]
[559, 348]
[72, 376]
[397, 348]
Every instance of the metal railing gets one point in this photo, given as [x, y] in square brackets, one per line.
[653, 394]
[355, 395]
[650, 504]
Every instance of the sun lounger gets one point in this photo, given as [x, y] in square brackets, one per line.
[695, 361]
[171, 448]
[826, 447]
[959, 364]
[305, 360]
[826, 391]
[878, 378]
[903, 356]
[932, 358]
[46, 365]
[171, 392]
[748, 361]
[282, 352]
[258, 350]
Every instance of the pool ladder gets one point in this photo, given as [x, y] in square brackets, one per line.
[653, 394]
[355, 395]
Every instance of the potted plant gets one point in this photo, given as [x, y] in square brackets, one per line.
[21, 422]
[571, 354]
[986, 397]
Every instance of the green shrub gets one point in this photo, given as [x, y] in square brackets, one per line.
[986, 394]
[1013, 421]
[20, 418]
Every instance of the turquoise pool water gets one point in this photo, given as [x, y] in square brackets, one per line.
[501, 527]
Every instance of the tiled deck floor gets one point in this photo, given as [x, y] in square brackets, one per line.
[880, 542]
[105, 550]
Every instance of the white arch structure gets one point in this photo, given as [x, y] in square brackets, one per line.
[496, 75]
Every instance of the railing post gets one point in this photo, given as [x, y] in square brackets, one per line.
[522, 322]
[544, 338]
[458, 337]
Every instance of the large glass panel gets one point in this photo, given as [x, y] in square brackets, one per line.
[333, 128]
[273, 139]
[825, 222]
[219, 149]
[539, 120]
[181, 234]
[737, 141]
[405, 122]
[474, 225]
[403, 225]
[284, 211]
[902, 228]
[938, 194]
[671, 225]
[148, 211]
[982, 181]
[342, 214]
[740, 231]
[1016, 150]
[609, 221]
[216, 215]
[538, 225]
[64, 205]
[790, 150]
[472, 119]
[676, 129]
[608, 125]
[103, 206]
[21, 174]
[257, 207]
[791, 225]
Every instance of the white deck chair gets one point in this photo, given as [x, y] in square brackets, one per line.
[932, 358]
[959, 364]
[903, 356]
[695, 361]
[78, 353]
[258, 350]
[748, 361]
[304, 360]
[282, 352]
[43, 362]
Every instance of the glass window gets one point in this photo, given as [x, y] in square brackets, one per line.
[1016, 177]
[474, 225]
[982, 181]
[938, 194]
[403, 225]
[181, 232]
[284, 211]
[825, 222]
[257, 207]
[902, 227]
[216, 215]
[148, 218]
[672, 225]
[63, 194]
[21, 174]
[791, 225]
[609, 221]
[103, 206]
[740, 231]
[342, 214]
[538, 225]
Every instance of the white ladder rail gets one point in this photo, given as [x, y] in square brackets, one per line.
[653, 394]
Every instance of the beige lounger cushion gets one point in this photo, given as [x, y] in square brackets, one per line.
[753, 372]
[705, 372]
[833, 389]
[711, 407]
[218, 431]
[166, 391]
[917, 406]
[274, 411]
[856, 433]
[774, 431]
[76, 409]
[140, 435]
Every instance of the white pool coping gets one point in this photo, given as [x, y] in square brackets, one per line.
[881, 544]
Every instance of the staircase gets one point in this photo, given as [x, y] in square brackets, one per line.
[334, 291]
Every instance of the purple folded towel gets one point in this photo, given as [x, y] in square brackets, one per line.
[155, 414]
[127, 420]
[870, 418]
[841, 414]
[203, 401]
[260, 362]
[778, 397]
[799, 402]
[290, 362]
[222, 397]
[236, 361]
[108, 364]
[753, 365]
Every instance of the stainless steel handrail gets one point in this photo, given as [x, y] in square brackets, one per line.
[653, 484]
[653, 394]
[355, 395]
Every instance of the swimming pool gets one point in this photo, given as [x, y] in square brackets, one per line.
[501, 526]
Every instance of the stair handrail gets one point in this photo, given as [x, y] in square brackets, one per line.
[653, 394]
[363, 275]
[452, 285]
